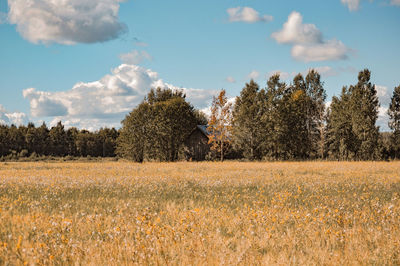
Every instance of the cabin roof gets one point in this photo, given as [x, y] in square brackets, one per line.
[203, 129]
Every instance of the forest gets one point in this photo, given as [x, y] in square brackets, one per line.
[279, 122]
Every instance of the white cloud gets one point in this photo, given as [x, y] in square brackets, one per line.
[105, 102]
[352, 5]
[246, 14]
[307, 40]
[384, 95]
[66, 21]
[295, 32]
[326, 51]
[253, 75]
[135, 57]
[230, 79]
[383, 119]
[16, 118]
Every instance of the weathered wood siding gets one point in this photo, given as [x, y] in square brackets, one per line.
[196, 146]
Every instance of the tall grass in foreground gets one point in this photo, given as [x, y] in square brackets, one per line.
[200, 213]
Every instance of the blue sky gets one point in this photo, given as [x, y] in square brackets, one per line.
[88, 63]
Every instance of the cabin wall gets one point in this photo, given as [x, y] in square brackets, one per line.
[196, 146]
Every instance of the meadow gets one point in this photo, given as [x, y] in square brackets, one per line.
[231, 213]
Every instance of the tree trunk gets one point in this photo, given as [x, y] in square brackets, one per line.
[222, 151]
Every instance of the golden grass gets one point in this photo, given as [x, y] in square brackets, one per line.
[200, 213]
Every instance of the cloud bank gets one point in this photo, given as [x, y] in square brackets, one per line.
[105, 102]
[246, 14]
[307, 41]
[8, 118]
[66, 21]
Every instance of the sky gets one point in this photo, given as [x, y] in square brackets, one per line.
[89, 63]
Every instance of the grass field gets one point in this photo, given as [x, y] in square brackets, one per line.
[200, 213]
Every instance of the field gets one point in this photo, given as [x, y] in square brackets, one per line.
[200, 213]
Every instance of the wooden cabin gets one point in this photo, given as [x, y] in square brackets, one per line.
[196, 145]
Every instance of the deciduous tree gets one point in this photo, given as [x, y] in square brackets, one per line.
[220, 124]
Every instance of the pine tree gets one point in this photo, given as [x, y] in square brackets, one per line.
[220, 124]
[394, 121]
[58, 140]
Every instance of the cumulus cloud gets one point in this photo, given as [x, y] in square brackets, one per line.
[66, 21]
[105, 102]
[330, 50]
[253, 75]
[44, 103]
[135, 57]
[307, 40]
[246, 14]
[8, 118]
[230, 79]
[295, 32]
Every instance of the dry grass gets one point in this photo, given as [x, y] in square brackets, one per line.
[200, 213]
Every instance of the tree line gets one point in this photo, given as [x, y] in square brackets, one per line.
[279, 122]
[34, 142]
[291, 121]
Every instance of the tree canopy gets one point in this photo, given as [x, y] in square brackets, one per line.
[157, 128]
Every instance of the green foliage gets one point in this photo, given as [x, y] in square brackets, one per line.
[316, 113]
[157, 128]
[394, 121]
[281, 122]
[248, 126]
[275, 119]
[58, 140]
[201, 117]
[353, 133]
[35, 142]
[340, 137]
